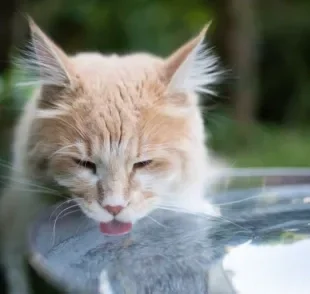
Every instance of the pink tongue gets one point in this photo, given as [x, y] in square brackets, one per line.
[115, 228]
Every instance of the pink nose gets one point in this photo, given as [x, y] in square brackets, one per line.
[114, 209]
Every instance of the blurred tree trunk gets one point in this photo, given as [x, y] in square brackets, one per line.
[244, 55]
[237, 36]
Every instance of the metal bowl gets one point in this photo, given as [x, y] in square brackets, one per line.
[172, 252]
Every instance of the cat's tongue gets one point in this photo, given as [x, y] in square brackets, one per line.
[115, 228]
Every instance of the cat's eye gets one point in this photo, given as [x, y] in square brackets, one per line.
[142, 164]
[87, 164]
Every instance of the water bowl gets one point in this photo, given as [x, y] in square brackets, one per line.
[259, 244]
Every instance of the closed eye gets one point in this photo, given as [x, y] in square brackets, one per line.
[142, 164]
[87, 164]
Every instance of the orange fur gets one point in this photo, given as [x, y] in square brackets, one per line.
[134, 118]
[115, 111]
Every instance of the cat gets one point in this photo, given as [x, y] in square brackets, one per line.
[123, 135]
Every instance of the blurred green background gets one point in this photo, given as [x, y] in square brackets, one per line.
[261, 116]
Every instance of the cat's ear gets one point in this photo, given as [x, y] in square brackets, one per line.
[49, 63]
[192, 68]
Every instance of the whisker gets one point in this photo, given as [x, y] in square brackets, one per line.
[237, 201]
[156, 221]
[20, 181]
[201, 214]
[84, 222]
[70, 212]
[151, 218]
[177, 209]
[66, 214]
[10, 167]
[58, 206]
[56, 219]
[35, 190]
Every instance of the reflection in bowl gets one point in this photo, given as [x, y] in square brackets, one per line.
[269, 268]
[264, 228]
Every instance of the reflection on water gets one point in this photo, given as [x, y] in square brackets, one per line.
[277, 260]
[189, 254]
[269, 268]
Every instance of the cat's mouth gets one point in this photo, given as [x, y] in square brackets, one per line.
[115, 227]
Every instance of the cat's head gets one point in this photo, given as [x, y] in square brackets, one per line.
[123, 134]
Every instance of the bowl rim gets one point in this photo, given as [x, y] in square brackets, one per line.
[266, 171]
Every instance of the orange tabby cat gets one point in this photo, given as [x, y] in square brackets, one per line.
[123, 134]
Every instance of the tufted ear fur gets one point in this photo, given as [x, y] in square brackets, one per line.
[192, 68]
[45, 62]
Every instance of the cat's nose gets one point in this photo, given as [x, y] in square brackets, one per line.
[114, 210]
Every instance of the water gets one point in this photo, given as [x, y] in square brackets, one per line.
[262, 237]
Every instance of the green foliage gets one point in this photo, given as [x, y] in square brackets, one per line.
[108, 26]
[265, 146]
[161, 26]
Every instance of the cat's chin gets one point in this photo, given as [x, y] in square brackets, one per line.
[115, 227]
